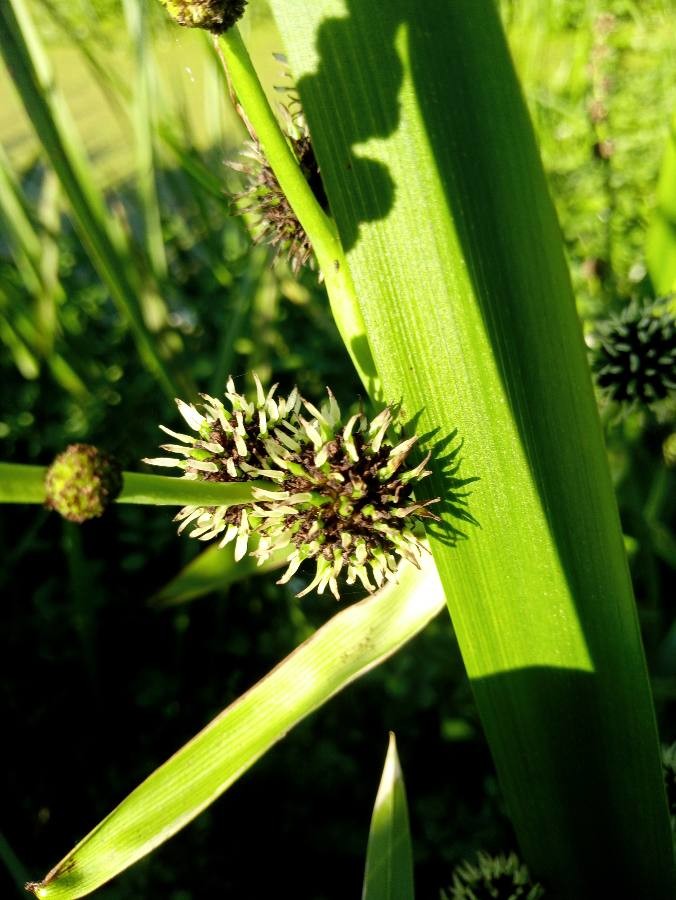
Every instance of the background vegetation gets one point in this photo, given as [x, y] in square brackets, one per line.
[100, 683]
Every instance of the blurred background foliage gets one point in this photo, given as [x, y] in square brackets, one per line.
[100, 684]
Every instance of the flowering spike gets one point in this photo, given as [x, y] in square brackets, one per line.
[344, 498]
[263, 197]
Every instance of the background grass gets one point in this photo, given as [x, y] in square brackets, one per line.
[78, 642]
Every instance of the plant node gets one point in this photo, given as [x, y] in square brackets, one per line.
[81, 482]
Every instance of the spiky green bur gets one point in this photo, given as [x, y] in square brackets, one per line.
[81, 482]
[493, 878]
[213, 15]
[345, 497]
[635, 361]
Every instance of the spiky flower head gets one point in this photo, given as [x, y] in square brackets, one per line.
[263, 197]
[635, 360]
[216, 16]
[493, 878]
[341, 494]
[81, 482]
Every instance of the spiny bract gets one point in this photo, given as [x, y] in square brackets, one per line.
[343, 496]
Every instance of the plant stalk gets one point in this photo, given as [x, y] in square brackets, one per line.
[316, 224]
[26, 484]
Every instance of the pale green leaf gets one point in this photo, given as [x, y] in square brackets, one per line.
[389, 856]
[349, 645]
[212, 570]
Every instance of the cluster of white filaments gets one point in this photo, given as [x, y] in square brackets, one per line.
[338, 494]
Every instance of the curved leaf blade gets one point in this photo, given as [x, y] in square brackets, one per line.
[349, 645]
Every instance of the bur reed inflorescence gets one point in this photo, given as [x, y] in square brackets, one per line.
[635, 360]
[81, 482]
[263, 197]
[493, 878]
[343, 495]
[216, 16]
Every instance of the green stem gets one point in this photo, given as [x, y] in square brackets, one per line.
[26, 484]
[316, 224]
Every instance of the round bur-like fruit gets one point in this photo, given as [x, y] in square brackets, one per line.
[81, 482]
[216, 16]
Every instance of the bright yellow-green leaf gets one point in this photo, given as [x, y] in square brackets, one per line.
[389, 857]
[434, 178]
[349, 645]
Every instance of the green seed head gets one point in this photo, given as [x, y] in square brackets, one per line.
[81, 482]
[213, 15]
[493, 878]
[635, 362]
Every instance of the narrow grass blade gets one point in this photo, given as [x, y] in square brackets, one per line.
[145, 113]
[434, 179]
[16, 318]
[213, 570]
[389, 857]
[34, 80]
[344, 649]
[13, 864]
[16, 215]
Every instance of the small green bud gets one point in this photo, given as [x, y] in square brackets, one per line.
[81, 482]
[216, 16]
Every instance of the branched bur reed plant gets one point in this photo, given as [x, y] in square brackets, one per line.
[443, 264]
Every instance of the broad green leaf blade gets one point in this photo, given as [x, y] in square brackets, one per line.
[389, 856]
[434, 179]
[213, 570]
[349, 645]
